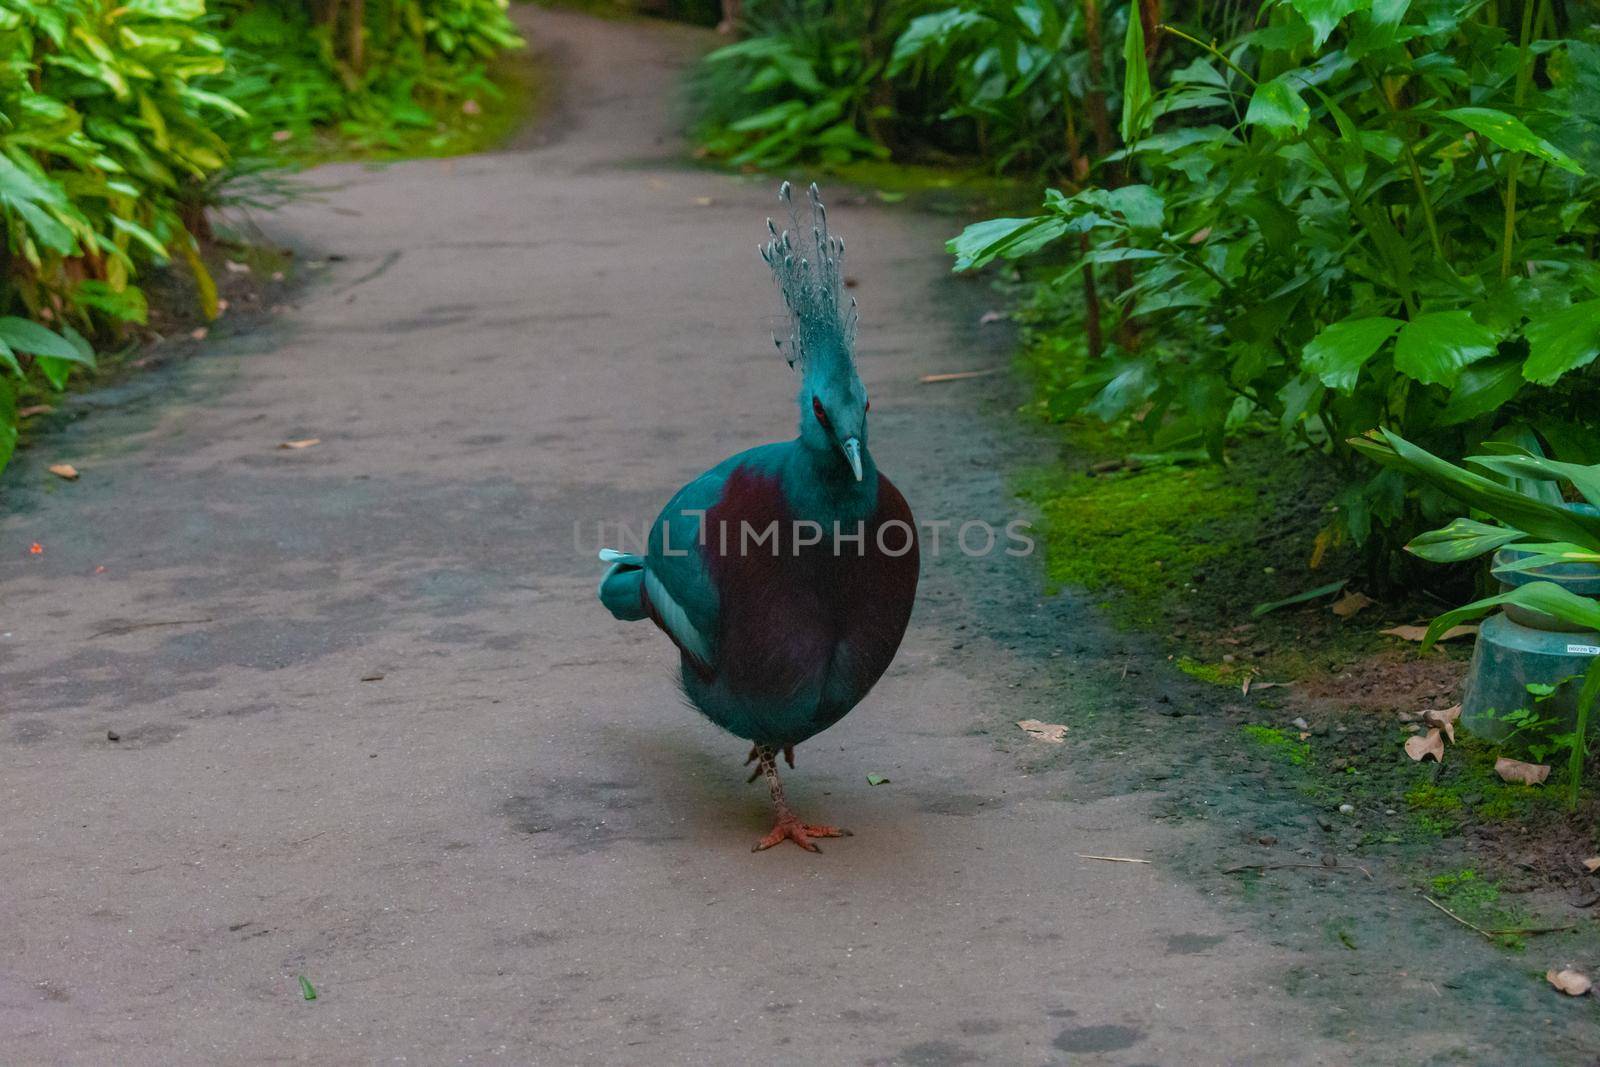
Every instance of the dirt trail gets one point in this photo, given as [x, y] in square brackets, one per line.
[406, 755]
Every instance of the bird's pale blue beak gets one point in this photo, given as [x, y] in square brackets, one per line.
[852, 454]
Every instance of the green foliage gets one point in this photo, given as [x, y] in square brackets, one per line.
[1534, 521]
[806, 83]
[1356, 215]
[1136, 533]
[1278, 743]
[119, 121]
[1015, 72]
[106, 140]
[379, 73]
[1476, 900]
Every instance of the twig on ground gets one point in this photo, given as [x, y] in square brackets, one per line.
[1309, 866]
[1110, 859]
[118, 631]
[1493, 934]
[957, 376]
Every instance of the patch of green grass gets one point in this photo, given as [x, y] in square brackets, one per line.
[1466, 785]
[1431, 796]
[1141, 534]
[1214, 673]
[1277, 743]
[1477, 900]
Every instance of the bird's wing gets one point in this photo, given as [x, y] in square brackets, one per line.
[678, 582]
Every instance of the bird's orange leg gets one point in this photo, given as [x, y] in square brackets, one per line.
[755, 757]
[789, 826]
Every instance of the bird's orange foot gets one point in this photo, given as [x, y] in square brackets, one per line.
[792, 829]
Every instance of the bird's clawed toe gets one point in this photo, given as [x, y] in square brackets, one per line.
[800, 833]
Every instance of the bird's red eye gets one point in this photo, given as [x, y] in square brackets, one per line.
[816, 409]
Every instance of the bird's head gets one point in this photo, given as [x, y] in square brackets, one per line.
[808, 265]
[833, 417]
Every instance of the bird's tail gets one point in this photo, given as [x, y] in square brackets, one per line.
[622, 586]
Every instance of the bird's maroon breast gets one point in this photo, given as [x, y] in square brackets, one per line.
[806, 609]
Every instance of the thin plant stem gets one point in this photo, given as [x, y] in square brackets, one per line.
[1416, 175]
[1587, 698]
[1212, 48]
[1514, 165]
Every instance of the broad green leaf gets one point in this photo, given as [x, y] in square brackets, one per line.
[1547, 597]
[1562, 342]
[1546, 554]
[927, 32]
[1462, 539]
[56, 371]
[25, 336]
[1434, 348]
[1278, 106]
[127, 305]
[1299, 598]
[18, 184]
[982, 242]
[1586, 479]
[1482, 388]
[140, 234]
[772, 116]
[168, 9]
[1324, 15]
[1500, 502]
[1141, 205]
[8, 421]
[1136, 81]
[49, 230]
[216, 100]
[1509, 133]
[1337, 354]
[8, 360]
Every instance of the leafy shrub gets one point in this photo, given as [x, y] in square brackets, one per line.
[1029, 76]
[807, 83]
[1519, 490]
[1362, 213]
[118, 120]
[107, 137]
[373, 69]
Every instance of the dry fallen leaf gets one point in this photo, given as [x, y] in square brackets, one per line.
[991, 316]
[703, 201]
[308, 442]
[34, 409]
[1422, 746]
[1444, 719]
[1592, 864]
[199, 333]
[1514, 770]
[1351, 604]
[1052, 732]
[235, 267]
[1417, 633]
[64, 470]
[1572, 983]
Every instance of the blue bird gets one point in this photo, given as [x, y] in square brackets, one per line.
[785, 575]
